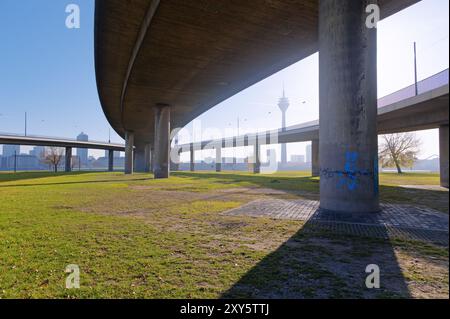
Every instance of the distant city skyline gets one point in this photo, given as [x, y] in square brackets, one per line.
[49, 73]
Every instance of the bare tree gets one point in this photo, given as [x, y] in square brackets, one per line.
[53, 156]
[399, 149]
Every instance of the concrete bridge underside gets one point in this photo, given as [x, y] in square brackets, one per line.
[170, 61]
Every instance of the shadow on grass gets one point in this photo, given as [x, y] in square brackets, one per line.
[319, 263]
[11, 177]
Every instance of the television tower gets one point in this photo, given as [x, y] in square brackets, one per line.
[283, 104]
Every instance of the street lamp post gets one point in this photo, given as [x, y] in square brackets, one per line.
[25, 123]
[415, 70]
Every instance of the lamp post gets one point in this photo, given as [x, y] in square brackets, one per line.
[415, 70]
[25, 123]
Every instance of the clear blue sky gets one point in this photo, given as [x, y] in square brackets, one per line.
[47, 70]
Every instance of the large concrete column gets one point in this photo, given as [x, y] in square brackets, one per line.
[110, 160]
[315, 165]
[68, 159]
[175, 161]
[348, 107]
[142, 161]
[218, 158]
[192, 158]
[443, 154]
[162, 141]
[129, 152]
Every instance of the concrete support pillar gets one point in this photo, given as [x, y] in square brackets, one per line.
[142, 160]
[110, 160]
[443, 154]
[148, 158]
[256, 155]
[315, 165]
[68, 162]
[152, 158]
[192, 161]
[218, 158]
[234, 153]
[348, 107]
[162, 141]
[129, 152]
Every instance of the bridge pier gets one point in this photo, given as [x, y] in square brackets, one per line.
[315, 165]
[110, 160]
[142, 161]
[68, 159]
[175, 163]
[129, 152]
[162, 141]
[192, 159]
[348, 108]
[443, 155]
[218, 158]
[256, 155]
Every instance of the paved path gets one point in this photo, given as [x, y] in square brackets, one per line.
[394, 221]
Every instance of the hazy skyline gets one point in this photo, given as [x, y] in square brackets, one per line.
[48, 72]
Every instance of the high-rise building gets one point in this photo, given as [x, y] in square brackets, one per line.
[308, 153]
[82, 153]
[283, 104]
[10, 150]
[38, 151]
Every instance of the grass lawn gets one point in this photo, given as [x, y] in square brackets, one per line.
[135, 237]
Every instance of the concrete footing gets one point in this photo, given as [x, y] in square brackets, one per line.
[348, 108]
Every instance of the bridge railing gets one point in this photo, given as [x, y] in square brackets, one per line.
[433, 82]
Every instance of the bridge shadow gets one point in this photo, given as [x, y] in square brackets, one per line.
[22, 176]
[10, 176]
[319, 262]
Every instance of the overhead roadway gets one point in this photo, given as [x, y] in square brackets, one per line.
[193, 55]
[58, 142]
[428, 110]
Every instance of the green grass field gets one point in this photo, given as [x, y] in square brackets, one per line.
[136, 237]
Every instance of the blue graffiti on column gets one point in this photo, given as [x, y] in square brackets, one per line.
[348, 176]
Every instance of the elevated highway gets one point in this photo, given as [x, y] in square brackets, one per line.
[68, 144]
[160, 64]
